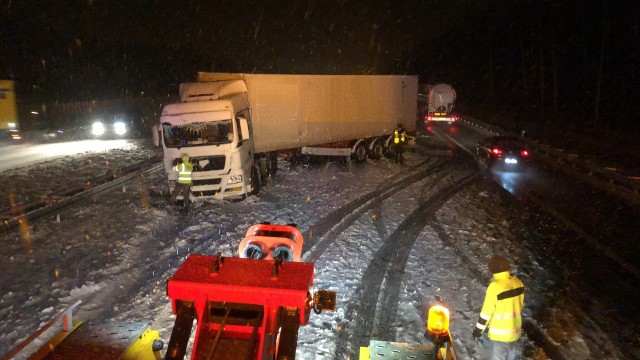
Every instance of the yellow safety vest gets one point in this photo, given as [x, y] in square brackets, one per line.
[398, 137]
[184, 172]
[502, 308]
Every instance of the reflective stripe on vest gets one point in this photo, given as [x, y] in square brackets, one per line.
[506, 316]
[184, 176]
[504, 332]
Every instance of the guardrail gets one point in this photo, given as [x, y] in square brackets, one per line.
[12, 217]
[605, 177]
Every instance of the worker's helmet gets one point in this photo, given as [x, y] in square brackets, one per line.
[498, 264]
[185, 157]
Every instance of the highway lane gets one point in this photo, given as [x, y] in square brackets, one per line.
[20, 155]
[595, 214]
[599, 249]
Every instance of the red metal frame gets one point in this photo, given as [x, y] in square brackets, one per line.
[222, 291]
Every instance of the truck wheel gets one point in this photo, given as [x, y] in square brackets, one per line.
[377, 149]
[388, 147]
[359, 153]
[255, 181]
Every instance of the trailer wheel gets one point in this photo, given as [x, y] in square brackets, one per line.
[255, 181]
[359, 152]
[377, 149]
[388, 144]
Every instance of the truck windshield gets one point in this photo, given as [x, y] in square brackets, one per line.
[198, 133]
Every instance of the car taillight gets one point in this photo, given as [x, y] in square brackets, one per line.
[496, 151]
[453, 119]
[524, 153]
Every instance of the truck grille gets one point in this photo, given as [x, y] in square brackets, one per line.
[206, 182]
[205, 193]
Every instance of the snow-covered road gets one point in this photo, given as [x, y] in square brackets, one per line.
[20, 155]
[387, 238]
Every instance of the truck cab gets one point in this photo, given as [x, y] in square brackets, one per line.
[211, 125]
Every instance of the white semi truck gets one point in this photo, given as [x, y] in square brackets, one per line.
[234, 125]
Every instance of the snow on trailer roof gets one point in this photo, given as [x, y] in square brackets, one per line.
[204, 76]
[171, 110]
[203, 91]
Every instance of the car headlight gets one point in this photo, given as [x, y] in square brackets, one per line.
[97, 129]
[234, 179]
[119, 128]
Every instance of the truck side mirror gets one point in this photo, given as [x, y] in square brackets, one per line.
[244, 128]
[155, 132]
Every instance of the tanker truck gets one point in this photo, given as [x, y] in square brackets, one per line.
[438, 104]
[234, 126]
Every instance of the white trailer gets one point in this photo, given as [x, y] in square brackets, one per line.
[233, 124]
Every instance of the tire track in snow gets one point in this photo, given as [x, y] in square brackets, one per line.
[392, 255]
[316, 231]
[414, 224]
[320, 235]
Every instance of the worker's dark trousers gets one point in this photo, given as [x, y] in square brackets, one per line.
[397, 154]
[185, 190]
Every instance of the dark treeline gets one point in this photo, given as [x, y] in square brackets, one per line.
[567, 63]
[553, 63]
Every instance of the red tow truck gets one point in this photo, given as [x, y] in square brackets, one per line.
[245, 308]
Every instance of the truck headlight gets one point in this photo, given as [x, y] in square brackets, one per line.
[119, 128]
[97, 129]
[235, 179]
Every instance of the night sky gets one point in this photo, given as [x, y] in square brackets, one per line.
[539, 60]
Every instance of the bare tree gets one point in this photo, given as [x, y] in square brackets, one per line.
[525, 90]
[603, 47]
[541, 59]
[554, 66]
[491, 83]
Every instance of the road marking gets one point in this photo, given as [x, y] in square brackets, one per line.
[442, 135]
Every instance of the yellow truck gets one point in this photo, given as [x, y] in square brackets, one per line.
[9, 126]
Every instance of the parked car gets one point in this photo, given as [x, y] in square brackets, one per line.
[504, 152]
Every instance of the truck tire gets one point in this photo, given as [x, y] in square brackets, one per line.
[359, 152]
[388, 146]
[377, 149]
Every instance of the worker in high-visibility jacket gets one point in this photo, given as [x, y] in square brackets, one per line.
[183, 185]
[501, 314]
[399, 141]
